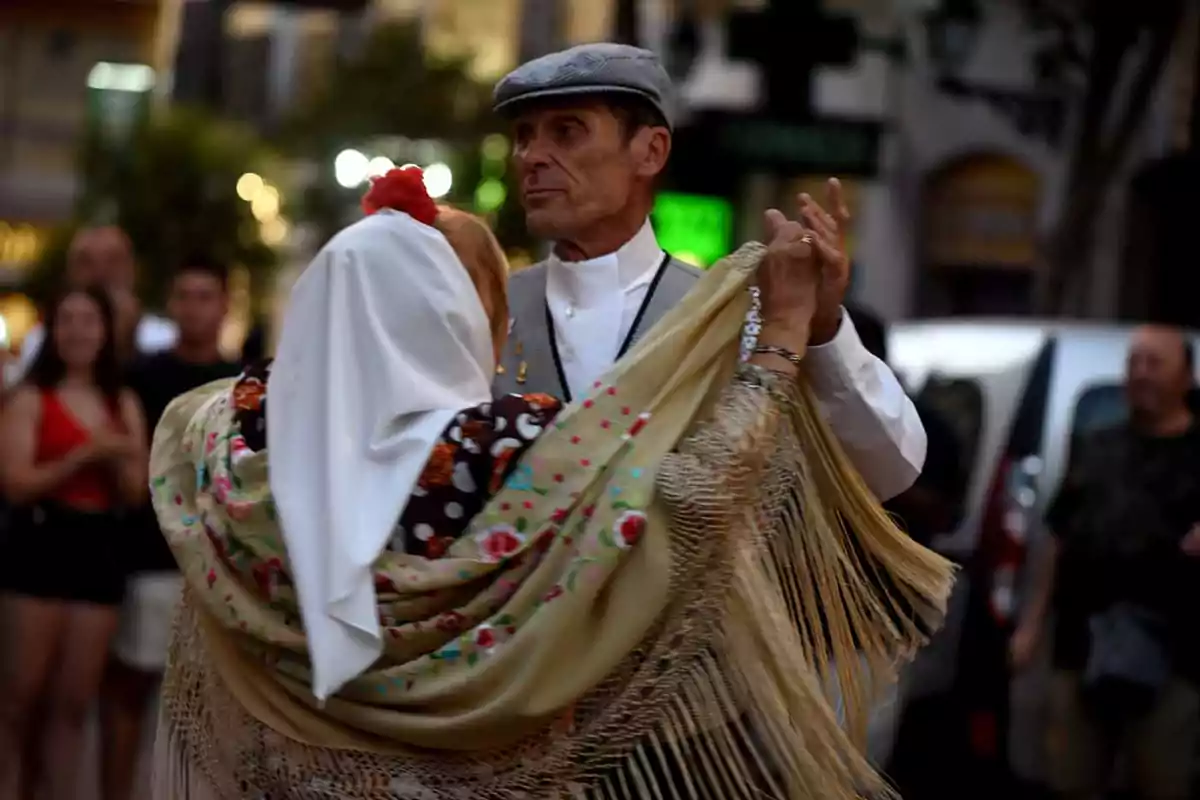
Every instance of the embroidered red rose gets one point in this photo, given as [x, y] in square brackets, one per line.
[499, 542]
[629, 528]
[450, 622]
[485, 637]
[212, 577]
[559, 516]
[437, 546]
[555, 592]
[402, 190]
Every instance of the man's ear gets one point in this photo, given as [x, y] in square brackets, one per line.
[651, 147]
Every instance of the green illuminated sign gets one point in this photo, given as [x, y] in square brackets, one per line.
[694, 228]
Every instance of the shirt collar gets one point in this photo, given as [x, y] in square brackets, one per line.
[630, 265]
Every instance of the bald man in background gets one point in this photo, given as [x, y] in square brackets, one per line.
[1121, 572]
[103, 256]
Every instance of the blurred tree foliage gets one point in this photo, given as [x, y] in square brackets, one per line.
[172, 187]
[392, 88]
[1109, 57]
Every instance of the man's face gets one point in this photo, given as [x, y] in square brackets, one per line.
[198, 304]
[576, 166]
[1157, 377]
[103, 257]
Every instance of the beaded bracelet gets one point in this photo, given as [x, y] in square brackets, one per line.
[770, 350]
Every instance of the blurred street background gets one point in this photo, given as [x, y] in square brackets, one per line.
[1024, 177]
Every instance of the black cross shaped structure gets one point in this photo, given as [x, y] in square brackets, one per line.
[788, 40]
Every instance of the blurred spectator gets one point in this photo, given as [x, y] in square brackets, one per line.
[104, 257]
[198, 303]
[1122, 573]
[75, 451]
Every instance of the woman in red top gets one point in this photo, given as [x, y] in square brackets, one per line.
[74, 454]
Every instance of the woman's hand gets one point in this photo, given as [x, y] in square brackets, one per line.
[788, 280]
[108, 445]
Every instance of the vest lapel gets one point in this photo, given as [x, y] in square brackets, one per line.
[528, 359]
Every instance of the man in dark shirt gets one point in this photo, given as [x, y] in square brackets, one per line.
[198, 303]
[1121, 574]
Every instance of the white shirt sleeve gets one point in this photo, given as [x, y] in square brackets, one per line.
[869, 411]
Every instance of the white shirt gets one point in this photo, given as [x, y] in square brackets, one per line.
[154, 334]
[859, 395]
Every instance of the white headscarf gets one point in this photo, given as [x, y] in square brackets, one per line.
[385, 340]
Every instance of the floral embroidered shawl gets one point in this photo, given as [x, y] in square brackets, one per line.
[628, 599]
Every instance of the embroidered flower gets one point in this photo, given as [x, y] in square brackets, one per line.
[556, 591]
[439, 469]
[211, 577]
[239, 512]
[210, 442]
[438, 546]
[248, 394]
[559, 516]
[521, 480]
[485, 637]
[221, 487]
[450, 622]
[499, 542]
[238, 448]
[628, 529]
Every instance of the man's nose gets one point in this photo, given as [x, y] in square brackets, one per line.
[532, 152]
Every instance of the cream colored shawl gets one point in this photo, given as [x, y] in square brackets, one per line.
[661, 582]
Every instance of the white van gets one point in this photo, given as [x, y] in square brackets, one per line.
[1017, 393]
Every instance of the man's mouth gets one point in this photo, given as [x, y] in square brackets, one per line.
[540, 192]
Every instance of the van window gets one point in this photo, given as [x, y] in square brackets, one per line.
[959, 401]
[1099, 406]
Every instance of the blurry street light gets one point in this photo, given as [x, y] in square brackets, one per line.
[350, 168]
[438, 180]
[265, 205]
[379, 165]
[110, 77]
[249, 186]
[274, 231]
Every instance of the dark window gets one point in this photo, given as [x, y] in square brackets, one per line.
[1100, 406]
[959, 401]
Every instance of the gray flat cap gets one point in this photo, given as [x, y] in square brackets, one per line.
[588, 69]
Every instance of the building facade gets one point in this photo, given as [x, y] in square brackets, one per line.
[48, 51]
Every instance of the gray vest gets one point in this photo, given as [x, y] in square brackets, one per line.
[528, 363]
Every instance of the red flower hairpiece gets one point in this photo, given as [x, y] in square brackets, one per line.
[401, 190]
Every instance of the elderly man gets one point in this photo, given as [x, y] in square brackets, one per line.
[591, 130]
[103, 256]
